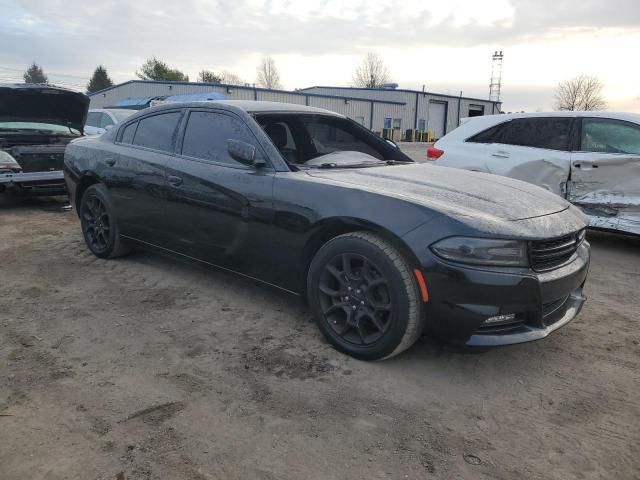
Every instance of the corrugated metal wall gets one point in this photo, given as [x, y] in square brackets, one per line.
[343, 100]
[413, 100]
[354, 109]
[282, 97]
[359, 110]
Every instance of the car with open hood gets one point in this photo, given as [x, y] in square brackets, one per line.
[309, 201]
[37, 121]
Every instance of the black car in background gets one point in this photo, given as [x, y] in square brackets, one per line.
[311, 202]
[36, 123]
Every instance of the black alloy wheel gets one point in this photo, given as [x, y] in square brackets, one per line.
[99, 225]
[355, 299]
[364, 296]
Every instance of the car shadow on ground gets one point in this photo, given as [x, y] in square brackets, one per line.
[51, 204]
[613, 240]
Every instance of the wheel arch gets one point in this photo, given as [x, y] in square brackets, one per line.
[85, 182]
[329, 228]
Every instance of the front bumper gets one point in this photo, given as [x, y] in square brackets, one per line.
[34, 183]
[462, 299]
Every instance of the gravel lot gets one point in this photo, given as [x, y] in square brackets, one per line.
[149, 368]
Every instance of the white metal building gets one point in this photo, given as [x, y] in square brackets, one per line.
[377, 109]
[438, 113]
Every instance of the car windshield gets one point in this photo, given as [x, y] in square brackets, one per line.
[122, 114]
[40, 127]
[327, 141]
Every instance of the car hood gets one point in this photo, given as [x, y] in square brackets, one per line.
[43, 103]
[453, 191]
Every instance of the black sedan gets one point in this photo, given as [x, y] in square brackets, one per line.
[315, 204]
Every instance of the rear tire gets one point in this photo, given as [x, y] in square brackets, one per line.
[99, 224]
[364, 296]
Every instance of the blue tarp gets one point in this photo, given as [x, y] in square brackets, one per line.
[195, 97]
[143, 102]
[134, 102]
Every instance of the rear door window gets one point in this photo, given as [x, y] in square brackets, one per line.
[157, 132]
[609, 136]
[549, 133]
[490, 135]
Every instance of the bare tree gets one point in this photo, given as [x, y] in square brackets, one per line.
[268, 76]
[583, 92]
[230, 78]
[372, 72]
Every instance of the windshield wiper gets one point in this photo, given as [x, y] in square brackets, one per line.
[367, 164]
[397, 162]
[349, 165]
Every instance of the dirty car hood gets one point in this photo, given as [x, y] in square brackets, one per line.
[43, 103]
[453, 191]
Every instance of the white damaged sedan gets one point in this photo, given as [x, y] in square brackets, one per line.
[590, 158]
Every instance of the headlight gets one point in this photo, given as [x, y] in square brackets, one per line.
[483, 251]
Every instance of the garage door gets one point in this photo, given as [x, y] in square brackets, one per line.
[437, 118]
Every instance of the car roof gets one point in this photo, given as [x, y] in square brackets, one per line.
[634, 117]
[113, 110]
[249, 106]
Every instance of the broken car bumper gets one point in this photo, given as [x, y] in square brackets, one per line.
[43, 183]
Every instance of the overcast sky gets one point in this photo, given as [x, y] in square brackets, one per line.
[443, 44]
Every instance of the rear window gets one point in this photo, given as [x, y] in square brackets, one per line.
[549, 133]
[157, 132]
[490, 135]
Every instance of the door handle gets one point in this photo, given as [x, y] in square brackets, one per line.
[110, 161]
[500, 154]
[173, 180]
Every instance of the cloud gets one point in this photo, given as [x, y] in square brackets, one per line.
[72, 37]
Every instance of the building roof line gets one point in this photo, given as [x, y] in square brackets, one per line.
[405, 90]
[245, 87]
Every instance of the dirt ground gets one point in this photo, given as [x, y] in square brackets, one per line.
[149, 368]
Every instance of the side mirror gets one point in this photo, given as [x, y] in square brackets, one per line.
[392, 143]
[108, 127]
[243, 152]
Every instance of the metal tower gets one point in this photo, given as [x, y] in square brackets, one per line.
[496, 76]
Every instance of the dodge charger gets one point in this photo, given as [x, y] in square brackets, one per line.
[383, 249]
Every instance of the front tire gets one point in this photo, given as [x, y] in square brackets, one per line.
[99, 224]
[364, 297]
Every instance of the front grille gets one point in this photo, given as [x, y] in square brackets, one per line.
[39, 158]
[549, 254]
